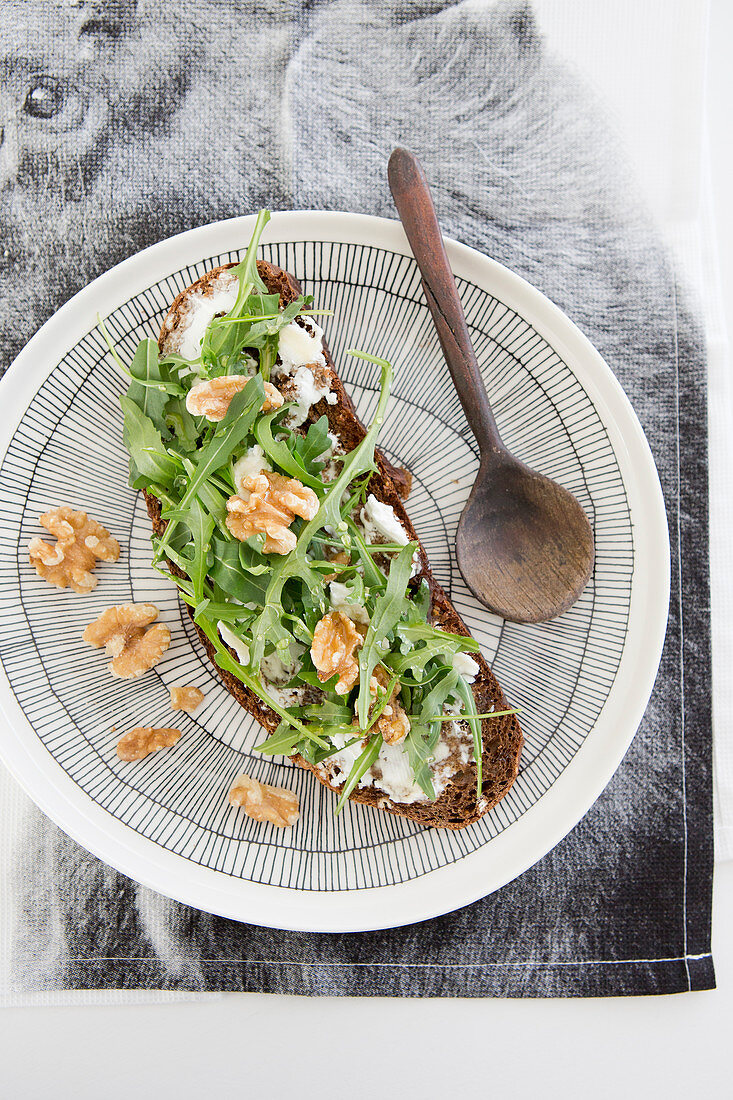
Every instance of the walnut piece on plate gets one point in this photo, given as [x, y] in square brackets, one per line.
[334, 641]
[140, 742]
[129, 638]
[80, 543]
[274, 502]
[265, 803]
[213, 398]
[186, 697]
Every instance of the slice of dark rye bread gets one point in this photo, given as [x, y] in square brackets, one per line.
[457, 806]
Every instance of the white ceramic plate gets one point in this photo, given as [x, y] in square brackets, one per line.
[581, 681]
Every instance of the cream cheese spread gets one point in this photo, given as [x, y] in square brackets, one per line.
[201, 310]
[240, 648]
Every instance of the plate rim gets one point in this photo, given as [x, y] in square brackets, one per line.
[513, 851]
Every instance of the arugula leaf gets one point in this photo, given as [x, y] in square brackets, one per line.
[229, 613]
[268, 628]
[361, 765]
[223, 344]
[145, 368]
[149, 460]
[464, 716]
[412, 633]
[180, 422]
[246, 270]
[373, 575]
[315, 755]
[226, 571]
[328, 713]
[421, 603]
[420, 744]
[424, 732]
[388, 609]
[201, 526]
[282, 742]
[251, 560]
[270, 325]
[421, 643]
[281, 455]
[354, 590]
[464, 693]
[312, 445]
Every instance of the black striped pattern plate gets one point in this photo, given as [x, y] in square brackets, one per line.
[582, 681]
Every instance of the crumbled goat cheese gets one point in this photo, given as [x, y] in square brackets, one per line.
[391, 771]
[465, 738]
[380, 519]
[381, 524]
[252, 463]
[298, 346]
[331, 471]
[277, 670]
[286, 697]
[355, 611]
[442, 752]
[333, 466]
[308, 394]
[465, 666]
[299, 349]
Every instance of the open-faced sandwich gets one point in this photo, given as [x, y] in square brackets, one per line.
[285, 531]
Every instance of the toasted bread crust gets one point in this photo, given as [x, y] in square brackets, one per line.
[457, 806]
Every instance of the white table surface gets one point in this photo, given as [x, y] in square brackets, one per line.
[263, 1046]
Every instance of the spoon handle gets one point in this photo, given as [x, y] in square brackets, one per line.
[414, 204]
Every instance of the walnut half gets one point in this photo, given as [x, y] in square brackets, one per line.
[213, 398]
[265, 803]
[80, 543]
[334, 641]
[140, 742]
[128, 637]
[274, 502]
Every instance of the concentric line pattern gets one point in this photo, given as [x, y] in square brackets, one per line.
[68, 448]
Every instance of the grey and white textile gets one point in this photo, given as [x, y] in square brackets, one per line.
[563, 140]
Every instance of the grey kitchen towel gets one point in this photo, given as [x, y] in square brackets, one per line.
[123, 122]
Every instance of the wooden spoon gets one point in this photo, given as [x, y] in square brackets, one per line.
[524, 545]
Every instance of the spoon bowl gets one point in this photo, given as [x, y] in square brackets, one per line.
[522, 542]
[524, 545]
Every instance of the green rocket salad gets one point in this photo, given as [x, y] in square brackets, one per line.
[271, 603]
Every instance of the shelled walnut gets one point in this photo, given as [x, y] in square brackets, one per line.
[186, 697]
[265, 803]
[212, 398]
[129, 638]
[273, 503]
[80, 543]
[335, 640]
[140, 742]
